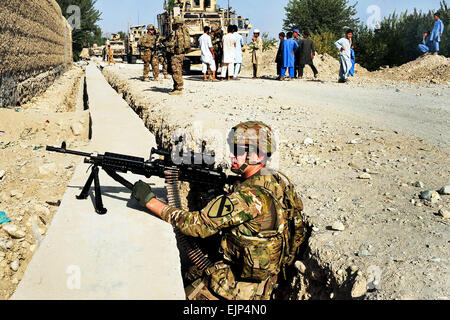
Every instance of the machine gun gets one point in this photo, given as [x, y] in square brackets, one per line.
[193, 167]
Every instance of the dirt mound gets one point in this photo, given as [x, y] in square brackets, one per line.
[429, 69]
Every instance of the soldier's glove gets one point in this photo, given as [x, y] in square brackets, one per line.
[142, 192]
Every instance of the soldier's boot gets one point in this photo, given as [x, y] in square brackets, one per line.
[176, 92]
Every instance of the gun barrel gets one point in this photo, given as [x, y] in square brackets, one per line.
[63, 150]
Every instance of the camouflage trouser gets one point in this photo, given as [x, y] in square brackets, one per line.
[163, 61]
[177, 71]
[155, 66]
[220, 284]
[148, 58]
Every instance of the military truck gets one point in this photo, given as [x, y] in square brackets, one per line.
[197, 14]
[134, 34]
[96, 51]
[117, 46]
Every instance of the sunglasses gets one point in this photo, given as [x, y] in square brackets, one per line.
[238, 151]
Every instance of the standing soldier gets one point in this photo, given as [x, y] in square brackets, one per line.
[160, 52]
[177, 46]
[147, 45]
[260, 222]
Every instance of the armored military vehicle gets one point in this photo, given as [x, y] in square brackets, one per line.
[117, 47]
[197, 14]
[134, 34]
[96, 51]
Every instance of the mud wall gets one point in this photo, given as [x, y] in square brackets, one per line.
[35, 48]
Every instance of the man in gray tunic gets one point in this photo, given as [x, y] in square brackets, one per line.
[306, 55]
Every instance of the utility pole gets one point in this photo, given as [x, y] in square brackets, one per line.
[229, 22]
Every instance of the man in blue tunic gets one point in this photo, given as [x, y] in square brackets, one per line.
[353, 60]
[437, 32]
[289, 49]
[426, 44]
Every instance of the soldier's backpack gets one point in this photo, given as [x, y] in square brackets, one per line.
[293, 207]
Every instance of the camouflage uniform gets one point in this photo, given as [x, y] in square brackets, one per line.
[176, 50]
[147, 44]
[161, 56]
[252, 220]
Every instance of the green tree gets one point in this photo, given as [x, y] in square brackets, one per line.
[268, 43]
[122, 35]
[319, 16]
[324, 43]
[88, 32]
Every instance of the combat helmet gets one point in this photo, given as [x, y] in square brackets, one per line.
[150, 27]
[255, 135]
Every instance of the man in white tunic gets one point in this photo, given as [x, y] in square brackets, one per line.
[344, 45]
[238, 55]
[229, 51]
[208, 58]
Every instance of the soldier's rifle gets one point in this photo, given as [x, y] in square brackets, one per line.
[193, 167]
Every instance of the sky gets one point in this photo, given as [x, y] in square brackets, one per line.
[263, 14]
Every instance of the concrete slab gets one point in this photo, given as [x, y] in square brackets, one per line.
[125, 254]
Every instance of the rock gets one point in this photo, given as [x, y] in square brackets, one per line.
[425, 195]
[48, 169]
[13, 231]
[285, 108]
[300, 267]
[6, 245]
[359, 287]
[77, 128]
[365, 176]
[354, 141]
[444, 213]
[15, 265]
[435, 259]
[2, 174]
[428, 195]
[41, 210]
[338, 226]
[16, 194]
[445, 190]
[373, 278]
[308, 141]
[418, 184]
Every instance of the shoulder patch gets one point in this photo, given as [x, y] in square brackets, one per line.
[221, 208]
